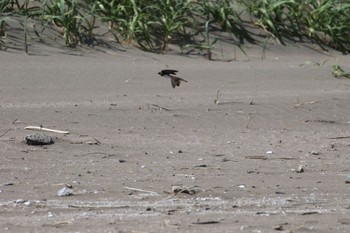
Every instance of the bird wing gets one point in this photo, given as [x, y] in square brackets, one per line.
[182, 80]
[174, 82]
[169, 71]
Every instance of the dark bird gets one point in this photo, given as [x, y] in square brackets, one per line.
[175, 81]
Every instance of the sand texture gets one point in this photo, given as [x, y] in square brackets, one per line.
[141, 156]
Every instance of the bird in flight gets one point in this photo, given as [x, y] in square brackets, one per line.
[175, 81]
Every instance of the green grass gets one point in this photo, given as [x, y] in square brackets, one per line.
[325, 22]
[153, 25]
[66, 18]
[338, 71]
[208, 45]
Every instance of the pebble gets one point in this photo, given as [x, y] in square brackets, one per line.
[27, 203]
[347, 180]
[20, 201]
[65, 192]
[38, 139]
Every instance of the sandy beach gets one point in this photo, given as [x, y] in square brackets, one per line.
[249, 145]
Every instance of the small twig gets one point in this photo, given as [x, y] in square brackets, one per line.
[141, 190]
[157, 106]
[5, 132]
[305, 103]
[40, 128]
[249, 119]
[105, 155]
[216, 100]
[294, 123]
[97, 141]
[342, 137]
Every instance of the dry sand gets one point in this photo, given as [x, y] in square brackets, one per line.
[133, 138]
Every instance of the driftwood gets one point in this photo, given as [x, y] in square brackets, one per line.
[39, 128]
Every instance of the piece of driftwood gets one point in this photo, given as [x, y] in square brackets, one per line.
[39, 128]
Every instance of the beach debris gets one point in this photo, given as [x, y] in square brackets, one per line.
[295, 123]
[280, 193]
[200, 165]
[263, 213]
[27, 203]
[66, 191]
[241, 186]
[279, 227]
[341, 137]
[309, 213]
[57, 224]
[347, 180]
[312, 63]
[7, 184]
[38, 139]
[287, 158]
[315, 152]
[49, 214]
[300, 169]
[96, 142]
[20, 201]
[152, 193]
[184, 189]
[306, 103]
[256, 157]
[40, 128]
[216, 100]
[338, 72]
[322, 121]
[5, 132]
[160, 108]
[205, 222]
[250, 116]
[225, 160]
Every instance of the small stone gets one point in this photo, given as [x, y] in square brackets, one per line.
[65, 192]
[280, 193]
[280, 227]
[185, 189]
[27, 203]
[38, 139]
[347, 181]
[314, 152]
[8, 184]
[300, 169]
[20, 201]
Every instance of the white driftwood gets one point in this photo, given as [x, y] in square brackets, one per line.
[38, 128]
